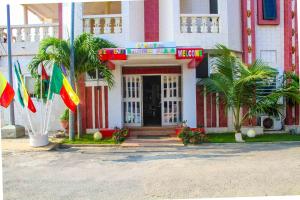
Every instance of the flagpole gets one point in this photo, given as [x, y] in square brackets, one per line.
[72, 64]
[1, 170]
[41, 90]
[10, 80]
[46, 121]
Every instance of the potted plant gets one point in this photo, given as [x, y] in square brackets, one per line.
[64, 120]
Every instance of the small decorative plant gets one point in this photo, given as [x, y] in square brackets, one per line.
[64, 120]
[189, 136]
[65, 115]
[120, 135]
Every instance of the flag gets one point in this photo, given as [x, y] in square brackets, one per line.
[22, 93]
[60, 85]
[45, 80]
[44, 73]
[6, 92]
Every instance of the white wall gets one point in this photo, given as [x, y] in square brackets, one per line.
[20, 115]
[166, 22]
[189, 111]
[270, 42]
[136, 21]
[115, 100]
[66, 15]
[234, 25]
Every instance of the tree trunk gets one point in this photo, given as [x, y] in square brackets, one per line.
[79, 116]
[237, 127]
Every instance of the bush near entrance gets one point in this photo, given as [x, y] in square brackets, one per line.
[192, 136]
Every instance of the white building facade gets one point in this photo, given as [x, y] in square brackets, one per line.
[153, 86]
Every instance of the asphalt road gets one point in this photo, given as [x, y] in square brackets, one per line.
[211, 170]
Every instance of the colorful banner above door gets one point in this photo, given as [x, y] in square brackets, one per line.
[112, 54]
[157, 51]
[151, 48]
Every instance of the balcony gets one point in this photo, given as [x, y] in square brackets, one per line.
[39, 21]
[29, 32]
[199, 23]
[102, 24]
[100, 18]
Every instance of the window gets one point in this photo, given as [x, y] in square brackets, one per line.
[202, 69]
[94, 75]
[269, 9]
[268, 12]
[213, 6]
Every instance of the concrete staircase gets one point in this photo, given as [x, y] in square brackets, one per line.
[152, 137]
[140, 132]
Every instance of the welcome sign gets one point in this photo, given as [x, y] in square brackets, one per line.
[190, 53]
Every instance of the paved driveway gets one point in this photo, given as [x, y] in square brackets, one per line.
[211, 170]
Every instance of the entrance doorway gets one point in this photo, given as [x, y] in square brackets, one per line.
[152, 100]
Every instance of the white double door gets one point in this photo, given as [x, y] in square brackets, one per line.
[171, 98]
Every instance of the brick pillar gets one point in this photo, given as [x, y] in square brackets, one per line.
[151, 20]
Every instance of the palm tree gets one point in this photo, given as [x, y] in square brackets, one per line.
[236, 84]
[55, 50]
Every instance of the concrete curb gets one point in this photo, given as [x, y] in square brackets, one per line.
[89, 145]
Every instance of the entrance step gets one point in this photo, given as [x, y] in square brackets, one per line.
[161, 142]
[152, 131]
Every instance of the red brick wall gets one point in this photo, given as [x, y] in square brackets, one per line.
[211, 110]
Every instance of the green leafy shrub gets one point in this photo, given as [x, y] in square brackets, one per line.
[120, 135]
[65, 115]
[190, 136]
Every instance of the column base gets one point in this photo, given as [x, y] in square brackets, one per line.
[12, 131]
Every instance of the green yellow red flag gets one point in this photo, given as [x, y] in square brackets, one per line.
[22, 93]
[6, 92]
[60, 85]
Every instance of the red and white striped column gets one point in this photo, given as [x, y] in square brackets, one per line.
[248, 38]
[291, 53]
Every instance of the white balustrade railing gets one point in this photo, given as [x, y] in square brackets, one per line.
[102, 24]
[199, 23]
[29, 32]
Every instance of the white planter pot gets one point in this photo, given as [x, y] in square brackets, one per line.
[238, 137]
[39, 140]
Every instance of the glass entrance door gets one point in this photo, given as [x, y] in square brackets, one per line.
[169, 105]
[171, 99]
[132, 97]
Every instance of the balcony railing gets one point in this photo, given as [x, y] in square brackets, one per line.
[102, 24]
[30, 32]
[199, 23]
